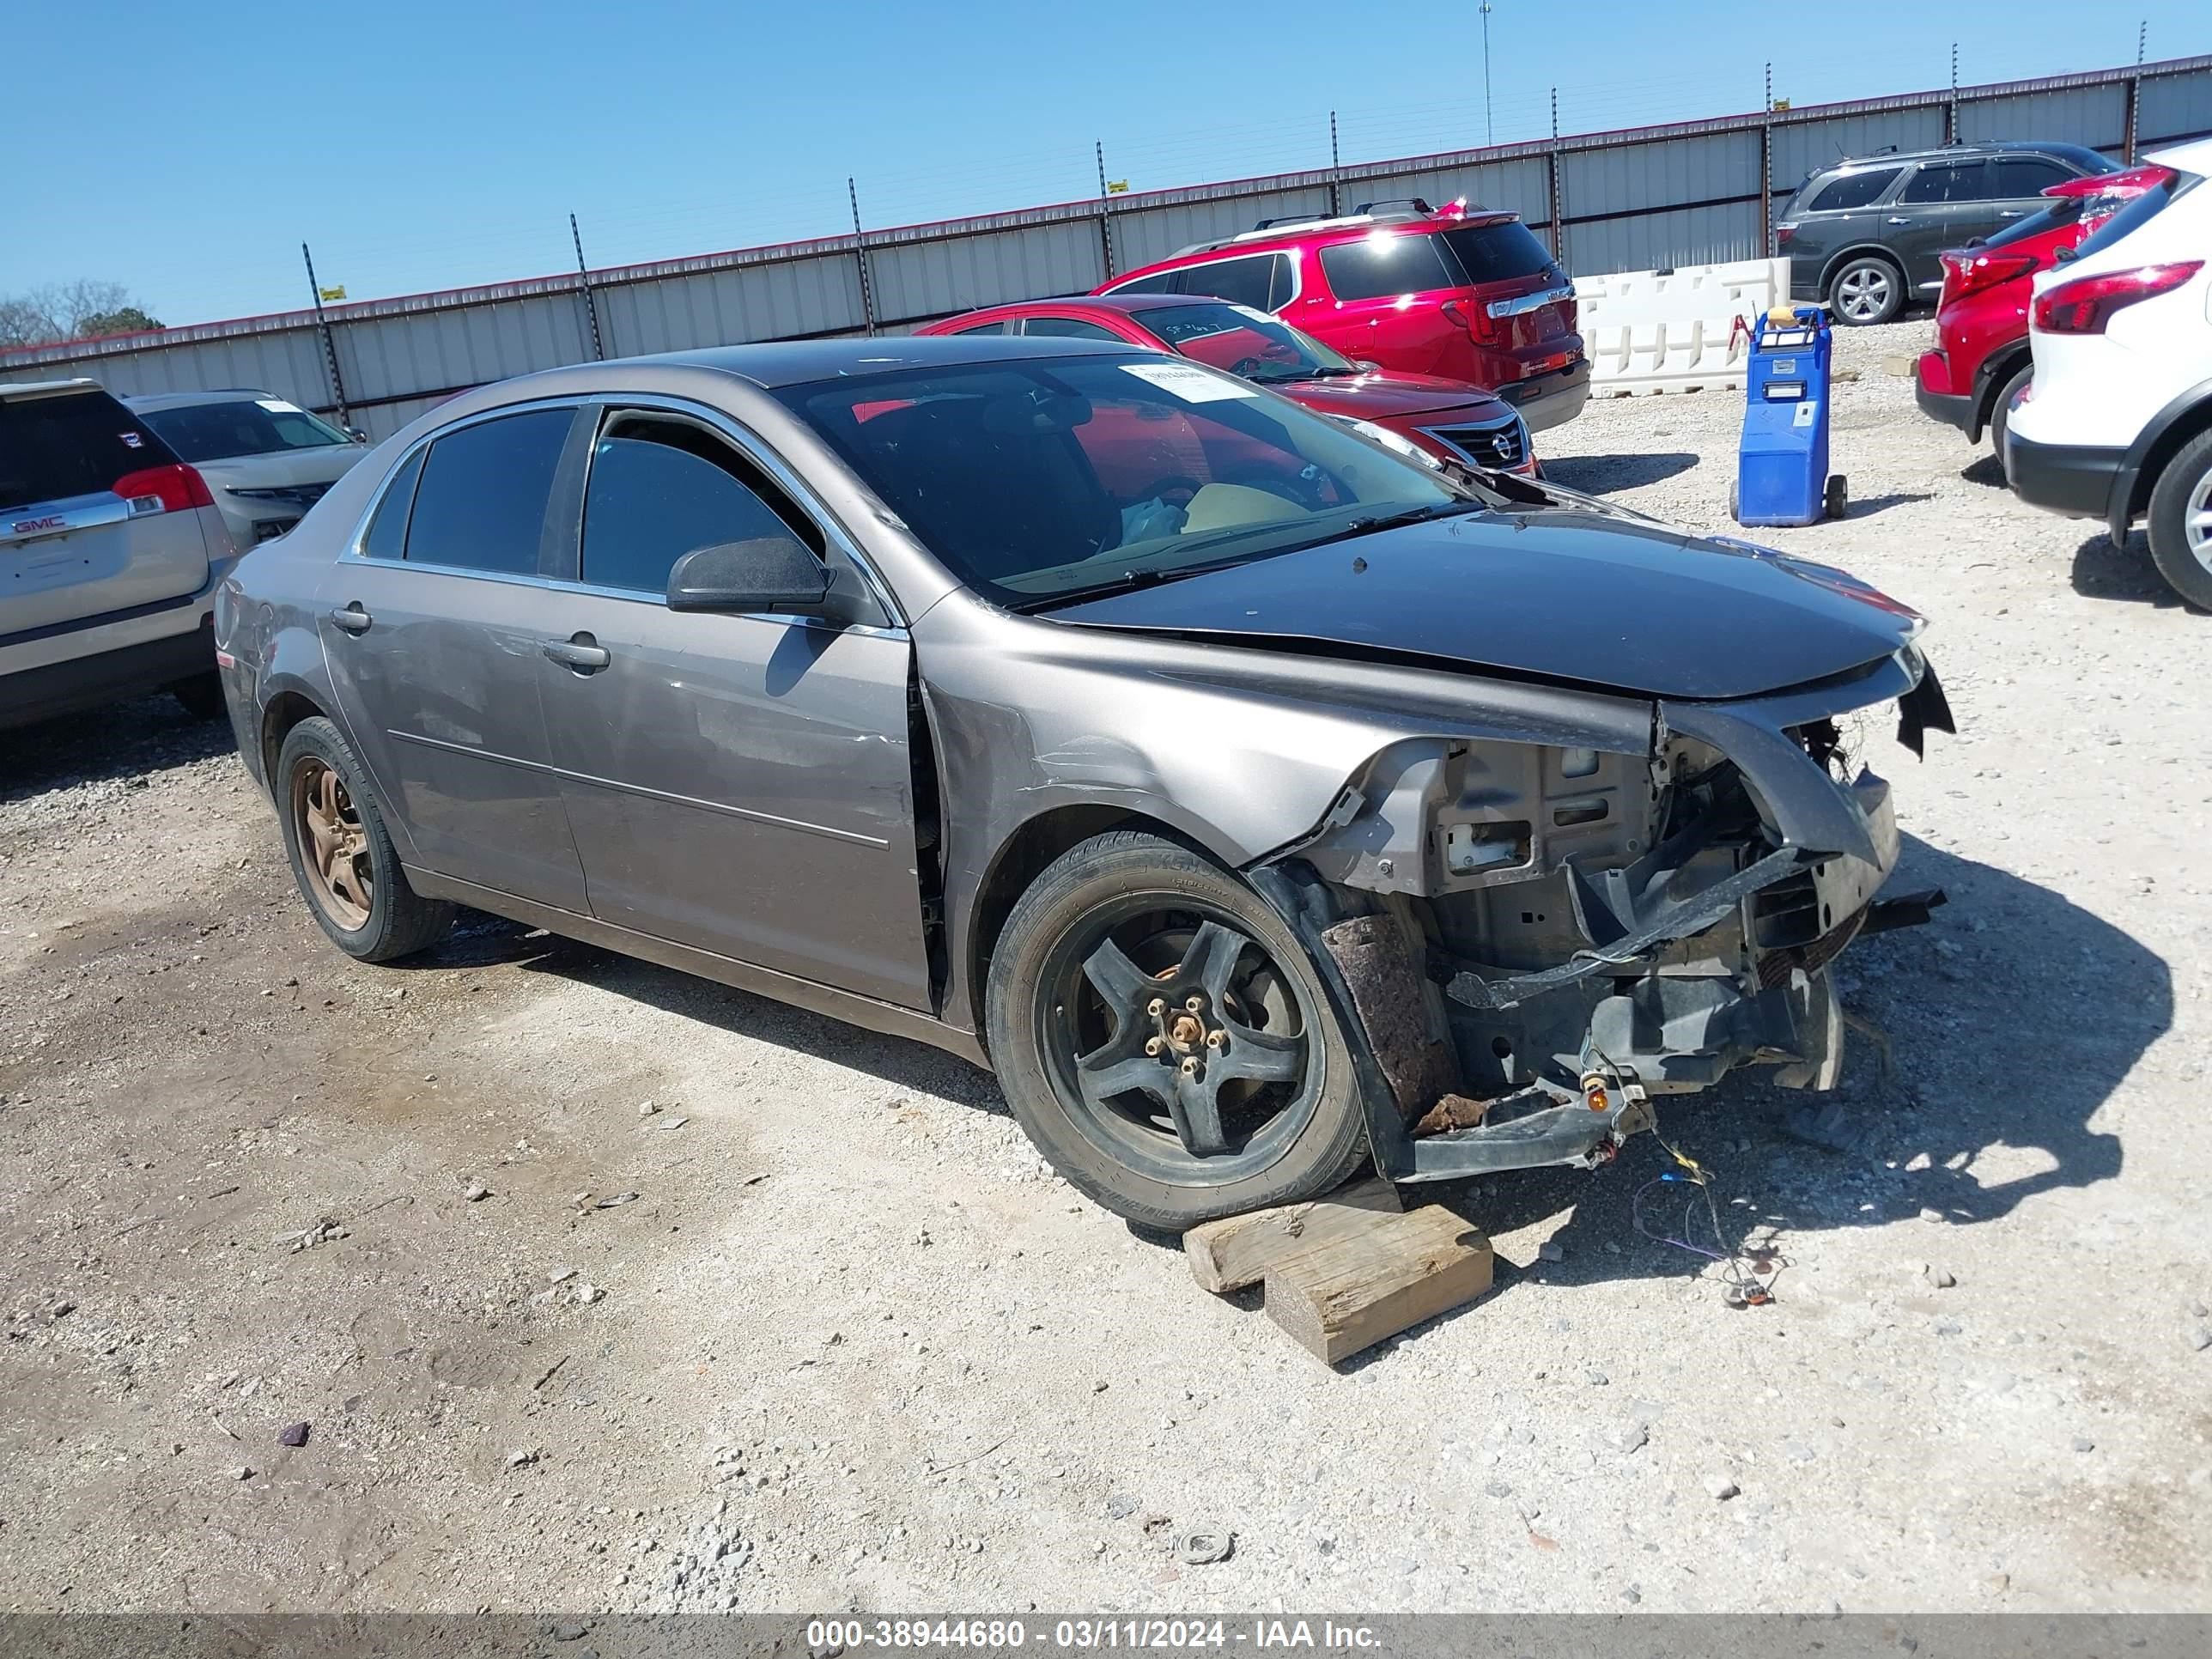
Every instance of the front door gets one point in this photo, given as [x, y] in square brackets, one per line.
[742, 784]
[1932, 213]
[429, 633]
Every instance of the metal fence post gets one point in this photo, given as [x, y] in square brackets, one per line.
[330, 345]
[1335, 171]
[1951, 104]
[1551, 178]
[860, 259]
[591, 304]
[1105, 209]
[1766, 168]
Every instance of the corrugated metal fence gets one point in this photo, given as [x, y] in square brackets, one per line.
[1688, 193]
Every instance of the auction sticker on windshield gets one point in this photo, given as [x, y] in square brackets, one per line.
[278, 406]
[1193, 385]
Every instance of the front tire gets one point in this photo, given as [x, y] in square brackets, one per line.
[1867, 291]
[2181, 521]
[342, 856]
[2000, 416]
[1164, 1040]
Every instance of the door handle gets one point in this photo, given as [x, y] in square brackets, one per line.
[352, 619]
[2011, 213]
[1897, 219]
[580, 651]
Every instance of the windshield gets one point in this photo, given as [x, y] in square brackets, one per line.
[1038, 479]
[1246, 343]
[240, 426]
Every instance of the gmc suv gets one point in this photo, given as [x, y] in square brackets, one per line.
[1463, 293]
[1864, 235]
[110, 551]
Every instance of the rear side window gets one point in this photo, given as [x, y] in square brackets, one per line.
[481, 502]
[999, 327]
[2027, 175]
[1069, 328]
[1380, 267]
[1948, 181]
[1499, 253]
[70, 443]
[662, 488]
[1160, 281]
[1240, 281]
[388, 531]
[1851, 189]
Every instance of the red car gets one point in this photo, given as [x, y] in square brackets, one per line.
[1980, 360]
[1465, 293]
[1444, 418]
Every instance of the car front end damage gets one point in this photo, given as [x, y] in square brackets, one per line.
[1531, 943]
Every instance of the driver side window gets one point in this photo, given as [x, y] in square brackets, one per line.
[662, 486]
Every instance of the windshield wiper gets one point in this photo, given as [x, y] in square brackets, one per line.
[1127, 582]
[1411, 516]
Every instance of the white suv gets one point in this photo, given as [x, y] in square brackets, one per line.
[2117, 422]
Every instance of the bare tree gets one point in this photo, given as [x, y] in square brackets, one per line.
[69, 311]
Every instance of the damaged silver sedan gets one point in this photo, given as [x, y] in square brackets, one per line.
[1257, 803]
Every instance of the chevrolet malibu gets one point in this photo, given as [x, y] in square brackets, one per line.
[1255, 802]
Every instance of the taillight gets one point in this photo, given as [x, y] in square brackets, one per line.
[1783, 234]
[178, 488]
[2085, 305]
[1472, 319]
[1972, 272]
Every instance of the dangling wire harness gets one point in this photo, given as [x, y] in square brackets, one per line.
[1742, 1285]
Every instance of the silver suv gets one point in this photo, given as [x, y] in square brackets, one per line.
[266, 460]
[110, 551]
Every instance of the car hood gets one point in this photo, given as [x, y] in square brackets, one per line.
[1390, 397]
[322, 464]
[1556, 594]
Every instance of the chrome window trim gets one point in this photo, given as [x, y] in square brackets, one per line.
[1298, 275]
[748, 444]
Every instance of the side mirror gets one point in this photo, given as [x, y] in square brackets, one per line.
[771, 573]
[2065, 256]
[357, 435]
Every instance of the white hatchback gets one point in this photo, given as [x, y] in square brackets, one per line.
[2117, 424]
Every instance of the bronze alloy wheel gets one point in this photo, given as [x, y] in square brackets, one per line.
[333, 845]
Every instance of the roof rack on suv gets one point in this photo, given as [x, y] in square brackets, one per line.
[1404, 210]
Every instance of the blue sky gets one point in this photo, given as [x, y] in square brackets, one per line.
[190, 150]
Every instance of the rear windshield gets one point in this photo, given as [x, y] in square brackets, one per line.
[1245, 342]
[2137, 213]
[70, 443]
[240, 426]
[1499, 253]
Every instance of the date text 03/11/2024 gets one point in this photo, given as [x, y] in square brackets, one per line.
[829, 1637]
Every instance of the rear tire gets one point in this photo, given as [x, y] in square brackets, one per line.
[2000, 416]
[201, 696]
[1153, 904]
[2181, 521]
[342, 856]
[1867, 291]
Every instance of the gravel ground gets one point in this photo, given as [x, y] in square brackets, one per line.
[848, 1344]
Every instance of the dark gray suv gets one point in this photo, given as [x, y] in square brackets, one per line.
[1863, 235]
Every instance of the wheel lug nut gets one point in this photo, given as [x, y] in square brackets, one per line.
[1155, 1007]
[1153, 1045]
[1193, 1003]
[1190, 1066]
[1216, 1039]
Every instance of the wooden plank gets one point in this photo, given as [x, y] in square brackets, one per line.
[1243, 1249]
[1373, 1283]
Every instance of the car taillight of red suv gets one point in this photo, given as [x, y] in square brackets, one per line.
[1463, 293]
[1980, 362]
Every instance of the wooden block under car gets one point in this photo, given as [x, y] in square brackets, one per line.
[1374, 1281]
[1243, 1249]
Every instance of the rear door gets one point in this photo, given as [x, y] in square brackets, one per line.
[74, 546]
[432, 628]
[741, 784]
[1386, 295]
[1941, 205]
[2016, 186]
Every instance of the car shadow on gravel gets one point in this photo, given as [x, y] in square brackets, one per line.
[1602, 475]
[124, 740]
[1988, 471]
[1867, 507]
[2104, 571]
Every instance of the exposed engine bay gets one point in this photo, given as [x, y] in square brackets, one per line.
[1540, 939]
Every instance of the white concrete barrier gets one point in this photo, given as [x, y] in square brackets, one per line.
[1675, 330]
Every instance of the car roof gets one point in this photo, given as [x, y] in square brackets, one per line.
[794, 362]
[228, 394]
[47, 388]
[1125, 302]
[1890, 158]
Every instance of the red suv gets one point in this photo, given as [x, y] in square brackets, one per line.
[1463, 293]
[1980, 360]
[1445, 419]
